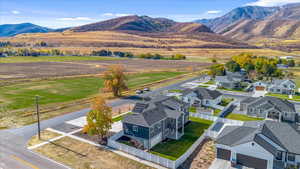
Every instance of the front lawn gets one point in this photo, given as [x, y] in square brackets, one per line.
[211, 82]
[175, 91]
[119, 118]
[173, 149]
[193, 109]
[242, 117]
[283, 96]
[217, 112]
[226, 101]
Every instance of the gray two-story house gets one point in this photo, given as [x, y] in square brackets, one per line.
[270, 108]
[155, 120]
[282, 87]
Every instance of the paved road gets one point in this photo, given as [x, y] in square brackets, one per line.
[13, 152]
[14, 155]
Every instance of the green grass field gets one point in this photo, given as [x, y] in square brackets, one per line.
[63, 90]
[23, 59]
[173, 149]
[242, 117]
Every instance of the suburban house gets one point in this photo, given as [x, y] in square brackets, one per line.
[260, 86]
[282, 87]
[231, 80]
[155, 120]
[260, 145]
[270, 108]
[201, 97]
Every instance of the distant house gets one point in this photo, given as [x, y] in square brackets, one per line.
[282, 87]
[260, 145]
[286, 57]
[3, 55]
[282, 66]
[231, 80]
[201, 97]
[260, 86]
[270, 108]
[155, 120]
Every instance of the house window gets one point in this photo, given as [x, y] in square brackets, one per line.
[134, 128]
[279, 155]
[291, 157]
[207, 102]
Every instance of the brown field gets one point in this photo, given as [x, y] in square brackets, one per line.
[58, 69]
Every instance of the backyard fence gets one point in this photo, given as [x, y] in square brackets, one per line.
[217, 119]
[154, 158]
[139, 153]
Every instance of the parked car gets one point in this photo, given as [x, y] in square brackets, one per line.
[146, 89]
[139, 91]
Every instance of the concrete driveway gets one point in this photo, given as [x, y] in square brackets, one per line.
[223, 164]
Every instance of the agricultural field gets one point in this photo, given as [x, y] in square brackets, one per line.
[56, 67]
[17, 101]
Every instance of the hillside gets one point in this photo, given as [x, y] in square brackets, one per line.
[15, 29]
[136, 32]
[144, 24]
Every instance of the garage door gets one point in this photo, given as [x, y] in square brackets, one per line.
[223, 154]
[260, 88]
[251, 162]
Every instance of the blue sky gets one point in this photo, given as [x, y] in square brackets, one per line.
[65, 13]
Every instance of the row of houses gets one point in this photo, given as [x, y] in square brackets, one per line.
[266, 144]
[233, 80]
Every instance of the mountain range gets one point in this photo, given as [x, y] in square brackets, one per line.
[251, 24]
[254, 23]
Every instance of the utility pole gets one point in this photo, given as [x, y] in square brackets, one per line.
[38, 116]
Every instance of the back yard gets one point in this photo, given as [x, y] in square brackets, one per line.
[173, 149]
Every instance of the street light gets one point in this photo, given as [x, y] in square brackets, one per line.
[38, 115]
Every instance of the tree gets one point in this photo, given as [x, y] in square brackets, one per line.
[232, 66]
[217, 70]
[99, 119]
[243, 59]
[115, 80]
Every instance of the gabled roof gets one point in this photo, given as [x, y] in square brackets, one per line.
[268, 102]
[154, 110]
[203, 93]
[270, 135]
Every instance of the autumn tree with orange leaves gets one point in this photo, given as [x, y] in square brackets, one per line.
[99, 119]
[115, 80]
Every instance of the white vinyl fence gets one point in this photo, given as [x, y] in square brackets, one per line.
[217, 119]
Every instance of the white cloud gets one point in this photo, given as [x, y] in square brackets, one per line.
[115, 14]
[268, 3]
[15, 12]
[75, 19]
[214, 12]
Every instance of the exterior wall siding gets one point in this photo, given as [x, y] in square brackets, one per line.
[139, 131]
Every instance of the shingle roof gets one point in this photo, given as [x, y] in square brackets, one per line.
[268, 102]
[204, 93]
[149, 112]
[284, 135]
